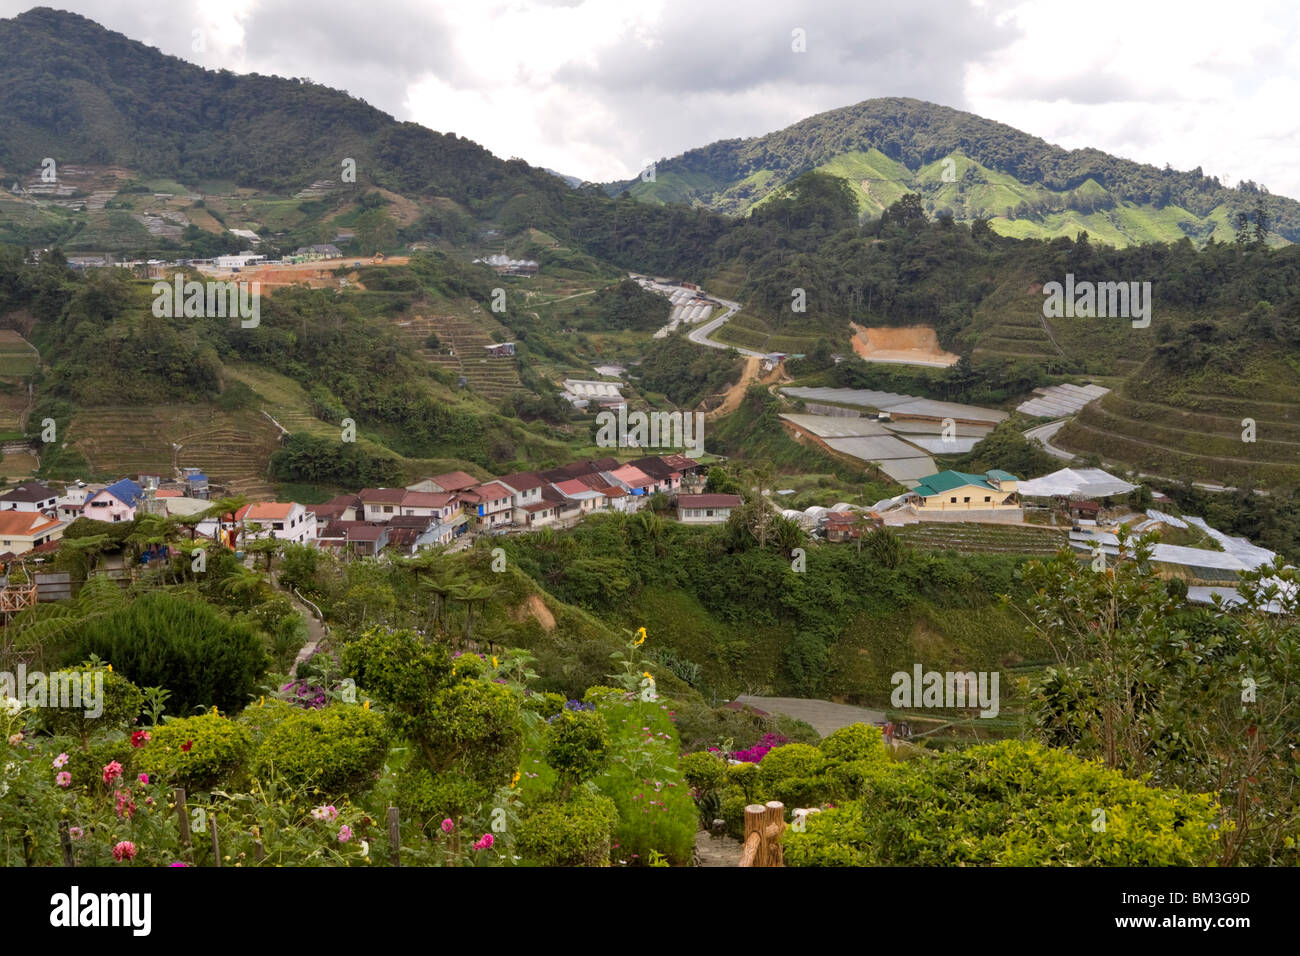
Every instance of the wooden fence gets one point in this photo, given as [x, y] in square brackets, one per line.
[764, 830]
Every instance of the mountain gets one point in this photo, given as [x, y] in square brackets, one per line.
[970, 167]
[70, 89]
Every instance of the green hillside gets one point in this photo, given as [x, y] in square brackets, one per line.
[969, 167]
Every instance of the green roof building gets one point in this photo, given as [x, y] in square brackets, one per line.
[994, 490]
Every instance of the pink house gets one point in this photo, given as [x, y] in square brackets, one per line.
[117, 502]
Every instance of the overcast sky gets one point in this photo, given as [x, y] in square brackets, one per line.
[594, 88]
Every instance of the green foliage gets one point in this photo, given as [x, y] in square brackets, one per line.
[160, 639]
[310, 458]
[467, 731]
[578, 745]
[335, 750]
[198, 753]
[625, 305]
[574, 833]
[121, 702]
[1007, 448]
[1009, 804]
[684, 372]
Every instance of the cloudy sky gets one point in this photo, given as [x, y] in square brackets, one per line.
[595, 88]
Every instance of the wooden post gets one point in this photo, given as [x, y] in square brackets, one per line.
[755, 817]
[774, 831]
[394, 838]
[65, 839]
[259, 851]
[183, 818]
[216, 844]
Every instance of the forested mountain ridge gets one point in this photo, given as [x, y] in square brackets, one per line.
[74, 91]
[969, 166]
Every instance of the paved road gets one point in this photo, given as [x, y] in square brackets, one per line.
[824, 716]
[700, 335]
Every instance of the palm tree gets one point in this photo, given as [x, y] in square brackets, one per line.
[470, 594]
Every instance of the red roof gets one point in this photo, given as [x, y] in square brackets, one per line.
[490, 491]
[454, 480]
[523, 480]
[708, 501]
[427, 499]
[574, 487]
[382, 496]
[24, 524]
[265, 511]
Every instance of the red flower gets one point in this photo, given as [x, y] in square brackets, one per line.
[139, 738]
[187, 746]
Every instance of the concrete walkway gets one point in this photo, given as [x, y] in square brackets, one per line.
[824, 716]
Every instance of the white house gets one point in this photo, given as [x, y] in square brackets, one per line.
[29, 496]
[288, 521]
[706, 509]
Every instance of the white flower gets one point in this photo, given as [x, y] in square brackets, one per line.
[365, 848]
[12, 706]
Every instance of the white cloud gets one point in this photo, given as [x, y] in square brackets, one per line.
[594, 87]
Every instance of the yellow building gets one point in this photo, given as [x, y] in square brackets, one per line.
[958, 491]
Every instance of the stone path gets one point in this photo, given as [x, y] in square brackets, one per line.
[824, 716]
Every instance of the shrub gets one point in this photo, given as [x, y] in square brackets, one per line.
[121, 704]
[185, 645]
[855, 742]
[577, 745]
[336, 750]
[574, 833]
[705, 772]
[198, 753]
[544, 705]
[831, 838]
[792, 760]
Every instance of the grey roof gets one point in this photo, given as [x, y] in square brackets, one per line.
[833, 426]
[1076, 483]
[875, 448]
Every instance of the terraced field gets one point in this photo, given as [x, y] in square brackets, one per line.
[463, 339]
[231, 447]
[977, 538]
[18, 360]
[1193, 426]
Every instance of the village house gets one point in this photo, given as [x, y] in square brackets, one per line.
[407, 534]
[287, 521]
[525, 491]
[69, 505]
[338, 508]
[357, 538]
[21, 531]
[451, 481]
[380, 504]
[116, 502]
[490, 504]
[706, 509]
[587, 498]
[850, 525]
[664, 478]
[630, 478]
[958, 491]
[29, 496]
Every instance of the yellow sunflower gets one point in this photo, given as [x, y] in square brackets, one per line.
[640, 636]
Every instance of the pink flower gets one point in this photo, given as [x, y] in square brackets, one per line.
[345, 833]
[59, 761]
[448, 826]
[180, 863]
[113, 772]
[143, 778]
[63, 779]
[124, 851]
[328, 814]
[485, 843]
[124, 803]
[140, 737]
[16, 739]
[76, 832]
